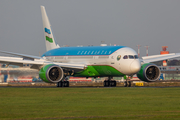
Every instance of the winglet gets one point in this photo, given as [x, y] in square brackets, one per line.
[49, 38]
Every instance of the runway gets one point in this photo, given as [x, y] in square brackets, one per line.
[162, 84]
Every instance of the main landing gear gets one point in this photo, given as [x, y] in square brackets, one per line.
[63, 83]
[110, 82]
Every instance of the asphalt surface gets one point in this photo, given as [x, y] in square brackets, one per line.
[86, 85]
[158, 84]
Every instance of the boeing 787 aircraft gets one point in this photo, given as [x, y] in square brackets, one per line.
[94, 61]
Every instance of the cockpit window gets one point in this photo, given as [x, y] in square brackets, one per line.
[131, 57]
[125, 57]
[135, 56]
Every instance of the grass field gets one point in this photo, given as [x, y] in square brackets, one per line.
[90, 103]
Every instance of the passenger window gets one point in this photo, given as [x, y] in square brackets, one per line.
[125, 57]
[131, 57]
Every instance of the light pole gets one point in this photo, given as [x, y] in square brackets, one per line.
[146, 49]
[138, 50]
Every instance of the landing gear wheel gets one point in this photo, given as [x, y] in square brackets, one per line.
[125, 84]
[59, 84]
[113, 83]
[129, 83]
[63, 84]
[106, 83]
[66, 84]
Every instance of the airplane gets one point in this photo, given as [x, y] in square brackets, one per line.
[91, 61]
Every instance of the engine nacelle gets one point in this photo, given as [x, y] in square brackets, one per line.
[149, 72]
[51, 73]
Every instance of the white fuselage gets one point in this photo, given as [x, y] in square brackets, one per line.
[124, 60]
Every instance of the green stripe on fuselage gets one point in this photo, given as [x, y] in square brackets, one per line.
[99, 71]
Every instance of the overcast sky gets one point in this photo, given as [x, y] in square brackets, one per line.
[154, 23]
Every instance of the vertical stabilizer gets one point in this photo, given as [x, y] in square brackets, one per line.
[49, 38]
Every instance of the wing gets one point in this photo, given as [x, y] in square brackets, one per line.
[21, 55]
[36, 62]
[154, 58]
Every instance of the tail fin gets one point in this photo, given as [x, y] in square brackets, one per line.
[49, 38]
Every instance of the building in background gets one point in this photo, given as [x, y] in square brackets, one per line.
[13, 73]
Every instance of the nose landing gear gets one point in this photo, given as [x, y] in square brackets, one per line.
[127, 83]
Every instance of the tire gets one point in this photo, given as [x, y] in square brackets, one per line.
[66, 83]
[105, 83]
[125, 84]
[113, 83]
[129, 83]
[59, 84]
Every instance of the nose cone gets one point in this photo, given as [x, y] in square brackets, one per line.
[135, 66]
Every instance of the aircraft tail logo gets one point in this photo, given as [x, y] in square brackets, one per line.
[47, 37]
